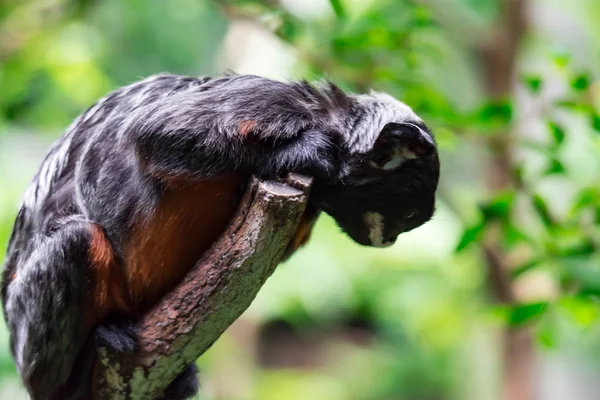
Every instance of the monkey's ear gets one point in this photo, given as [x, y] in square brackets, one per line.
[399, 142]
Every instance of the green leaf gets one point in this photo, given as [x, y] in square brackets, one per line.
[555, 167]
[572, 243]
[500, 110]
[595, 122]
[512, 235]
[540, 206]
[338, 8]
[581, 82]
[521, 269]
[586, 291]
[499, 313]
[499, 207]
[286, 28]
[470, 235]
[581, 273]
[421, 17]
[587, 197]
[583, 249]
[566, 103]
[494, 116]
[557, 132]
[524, 313]
[533, 83]
[547, 336]
[561, 57]
[583, 311]
[575, 105]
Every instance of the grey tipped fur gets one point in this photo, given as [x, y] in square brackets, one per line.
[102, 172]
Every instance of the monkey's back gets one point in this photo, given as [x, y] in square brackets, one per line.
[147, 230]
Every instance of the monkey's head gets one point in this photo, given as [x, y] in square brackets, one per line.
[388, 172]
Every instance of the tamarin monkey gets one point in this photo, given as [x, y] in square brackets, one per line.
[144, 181]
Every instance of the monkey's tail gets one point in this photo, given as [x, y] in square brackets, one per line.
[44, 308]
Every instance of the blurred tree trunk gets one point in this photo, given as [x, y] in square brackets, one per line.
[498, 54]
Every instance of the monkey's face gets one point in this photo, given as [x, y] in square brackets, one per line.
[388, 190]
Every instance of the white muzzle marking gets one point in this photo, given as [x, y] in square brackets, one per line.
[375, 224]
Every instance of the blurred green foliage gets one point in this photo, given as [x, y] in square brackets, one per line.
[412, 322]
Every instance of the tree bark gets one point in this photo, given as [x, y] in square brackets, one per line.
[189, 319]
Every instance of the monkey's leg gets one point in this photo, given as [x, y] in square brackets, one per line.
[45, 308]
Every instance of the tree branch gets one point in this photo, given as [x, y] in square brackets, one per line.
[498, 57]
[188, 320]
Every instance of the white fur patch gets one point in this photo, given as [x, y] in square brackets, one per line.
[375, 224]
[395, 162]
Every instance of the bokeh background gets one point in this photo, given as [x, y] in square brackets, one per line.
[495, 299]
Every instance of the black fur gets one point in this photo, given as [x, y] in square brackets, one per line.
[103, 172]
[184, 386]
[117, 334]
